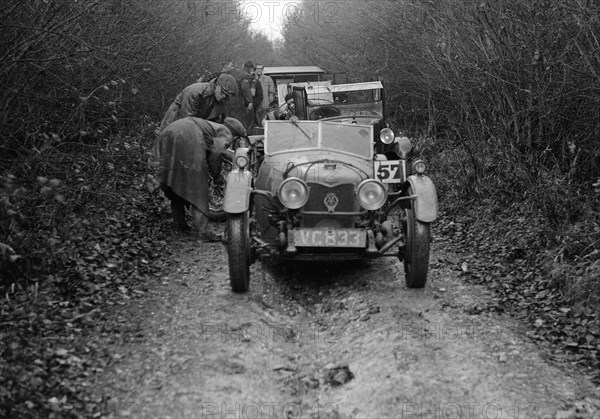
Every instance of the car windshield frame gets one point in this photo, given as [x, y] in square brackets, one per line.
[334, 136]
[364, 98]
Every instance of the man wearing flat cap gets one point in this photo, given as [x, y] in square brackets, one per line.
[288, 109]
[202, 100]
[241, 106]
[188, 150]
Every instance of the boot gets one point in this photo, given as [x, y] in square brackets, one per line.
[201, 224]
[178, 212]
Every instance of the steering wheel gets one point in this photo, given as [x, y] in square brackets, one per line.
[323, 112]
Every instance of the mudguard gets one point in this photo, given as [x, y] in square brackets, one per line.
[426, 203]
[237, 191]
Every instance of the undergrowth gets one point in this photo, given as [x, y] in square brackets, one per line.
[562, 217]
[49, 199]
[541, 226]
[80, 233]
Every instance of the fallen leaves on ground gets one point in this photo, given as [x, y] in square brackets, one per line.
[510, 253]
[82, 258]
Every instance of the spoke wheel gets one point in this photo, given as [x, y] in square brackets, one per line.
[238, 249]
[216, 193]
[416, 252]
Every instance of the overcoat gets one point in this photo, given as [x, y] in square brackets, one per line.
[238, 103]
[197, 100]
[186, 149]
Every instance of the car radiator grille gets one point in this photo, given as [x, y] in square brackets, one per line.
[316, 202]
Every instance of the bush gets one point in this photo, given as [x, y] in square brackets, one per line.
[50, 202]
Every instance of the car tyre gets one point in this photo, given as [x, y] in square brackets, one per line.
[416, 251]
[238, 249]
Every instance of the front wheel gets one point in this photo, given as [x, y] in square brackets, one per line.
[238, 249]
[416, 252]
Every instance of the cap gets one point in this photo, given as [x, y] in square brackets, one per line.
[235, 126]
[227, 83]
[289, 96]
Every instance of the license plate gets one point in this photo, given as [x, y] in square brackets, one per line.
[323, 237]
[390, 171]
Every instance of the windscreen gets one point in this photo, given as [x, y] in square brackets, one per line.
[283, 136]
[351, 138]
[352, 102]
[369, 109]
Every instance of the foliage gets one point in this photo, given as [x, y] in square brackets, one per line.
[83, 81]
[50, 202]
[79, 70]
[558, 301]
[505, 92]
[80, 233]
[519, 77]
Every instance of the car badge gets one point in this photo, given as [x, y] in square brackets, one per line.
[331, 201]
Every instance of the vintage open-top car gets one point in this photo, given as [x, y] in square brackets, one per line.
[334, 184]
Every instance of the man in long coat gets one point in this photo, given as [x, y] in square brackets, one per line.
[268, 88]
[240, 105]
[202, 100]
[257, 98]
[187, 150]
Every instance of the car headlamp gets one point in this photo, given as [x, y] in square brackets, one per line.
[242, 161]
[293, 193]
[240, 157]
[419, 167]
[386, 136]
[371, 194]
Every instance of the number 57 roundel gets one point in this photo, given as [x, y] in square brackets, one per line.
[390, 171]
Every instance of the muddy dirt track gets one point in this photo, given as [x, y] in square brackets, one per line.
[330, 341]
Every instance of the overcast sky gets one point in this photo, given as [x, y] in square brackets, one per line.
[268, 15]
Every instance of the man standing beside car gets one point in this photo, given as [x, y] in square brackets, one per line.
[257, 96]
[240, 105]
[268, 88]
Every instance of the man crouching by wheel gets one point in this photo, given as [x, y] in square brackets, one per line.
[188, 149]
